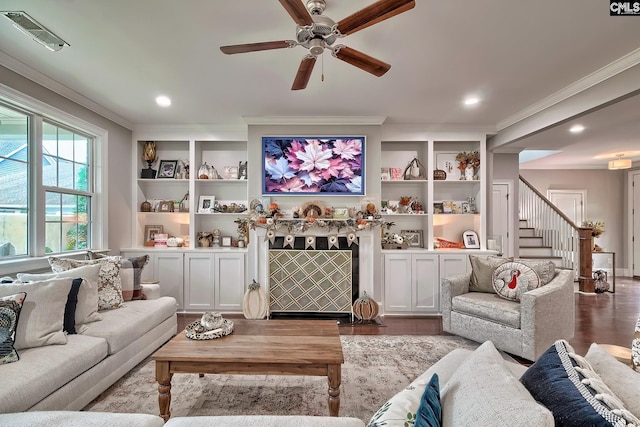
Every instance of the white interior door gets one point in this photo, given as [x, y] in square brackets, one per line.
[570, 202]
[502, 215]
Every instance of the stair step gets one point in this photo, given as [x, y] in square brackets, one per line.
[523, 223]
[536, 251]
[527, 232]
[529, 241]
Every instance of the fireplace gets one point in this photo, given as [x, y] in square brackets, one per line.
[308, 280]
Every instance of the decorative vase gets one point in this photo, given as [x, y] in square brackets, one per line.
[469, 172]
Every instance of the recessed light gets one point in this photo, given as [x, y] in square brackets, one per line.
[576, 129]
[163, 101]
[471, 101]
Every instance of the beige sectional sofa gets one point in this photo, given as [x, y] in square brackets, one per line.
[69, 376]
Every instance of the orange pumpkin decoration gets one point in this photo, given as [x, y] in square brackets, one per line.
[365, 307]
[262, 220]
[273, 206]
[361, 221]
[311, 219]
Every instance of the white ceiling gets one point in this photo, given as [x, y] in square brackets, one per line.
[512, 54]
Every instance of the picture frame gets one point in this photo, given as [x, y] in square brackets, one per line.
[341, 213]
[470, 239]
[438, 208]
[447, 162]
[466, 208]
[385, 174]
[230, 172]
[165, 206]
[167, 169]
[206, 204]
[150, 232]
[242, 170]
[226, 241]
[414, 238]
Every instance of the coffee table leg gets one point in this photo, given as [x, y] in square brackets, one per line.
[334, 379]
[163, 376]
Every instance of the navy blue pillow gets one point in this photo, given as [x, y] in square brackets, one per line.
[430, 410]
[553, 381]
[70, 308]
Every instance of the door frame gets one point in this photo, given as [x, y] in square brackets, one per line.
[630, 232]
[508, 241]
[583, 193]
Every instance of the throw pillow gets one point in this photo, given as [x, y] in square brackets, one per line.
[41, 317]
[568, 386]
[481, 271]
[546, 270]
[635, 347]
[623, 381]
[10, 307]
[484, 392]
[87, 307]
[430, 411]
[130, 274]
[511, 279]
[110, 284]
[69, 319]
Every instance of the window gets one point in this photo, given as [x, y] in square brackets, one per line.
[49, 164]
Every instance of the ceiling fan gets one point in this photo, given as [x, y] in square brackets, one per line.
[317, 32]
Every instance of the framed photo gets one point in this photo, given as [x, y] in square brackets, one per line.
[385, 174]
[242, 170]
[396, 174]
[165, 206]
[226, 241]
[206, 204]
[413, 238]
[230, 172]
[470, 239]
[438, 208]
[150, 232]
[340, 213]
[466, 208]
[447, 162]
[167, 168]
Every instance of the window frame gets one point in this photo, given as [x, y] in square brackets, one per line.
[36, 258]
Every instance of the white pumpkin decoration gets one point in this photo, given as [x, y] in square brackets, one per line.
[255, 305]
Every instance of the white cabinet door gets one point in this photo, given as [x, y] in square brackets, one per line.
[229, 281]
[452, 264]
[397, 282]
[425, 288]
[168, 270]
[198, 281]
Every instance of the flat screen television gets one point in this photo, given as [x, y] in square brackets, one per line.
[325, 165]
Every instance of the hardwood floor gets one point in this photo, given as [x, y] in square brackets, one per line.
[603, 318]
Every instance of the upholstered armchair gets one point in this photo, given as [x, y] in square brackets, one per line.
[526, 328]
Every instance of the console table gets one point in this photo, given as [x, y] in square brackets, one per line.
[613, 268]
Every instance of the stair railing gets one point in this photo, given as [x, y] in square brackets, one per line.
[557, 231]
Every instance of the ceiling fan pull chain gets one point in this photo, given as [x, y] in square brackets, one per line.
[322, 75]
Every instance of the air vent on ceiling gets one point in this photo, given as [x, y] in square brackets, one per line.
[31, 27]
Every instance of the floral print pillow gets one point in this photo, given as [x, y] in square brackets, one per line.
[110, 287]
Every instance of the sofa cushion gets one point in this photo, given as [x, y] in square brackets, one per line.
[567, 384]
[79, 419]
[41, 317]
[484, 392]
[42, 370]
[10, 307]
[511, 279]
[481, 271]
[130, 273]
[623, 381]
[430, 410]
[123, 326]
[488, 306]
[110, 287]
[87, 307]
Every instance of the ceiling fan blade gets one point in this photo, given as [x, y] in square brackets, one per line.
[298, 11]
[254, 47]
[304, 72]
[361, 60]
[377, 12]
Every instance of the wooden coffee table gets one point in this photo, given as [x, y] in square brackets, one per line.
[256, 347]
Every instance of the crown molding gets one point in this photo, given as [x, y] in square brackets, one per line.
[37, 77]
[624, 63]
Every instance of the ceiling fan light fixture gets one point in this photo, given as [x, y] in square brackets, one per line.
[32, 28]
[619, 163]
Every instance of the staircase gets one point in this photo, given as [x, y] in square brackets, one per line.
[531, 246]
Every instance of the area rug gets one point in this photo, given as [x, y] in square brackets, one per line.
[375, 368]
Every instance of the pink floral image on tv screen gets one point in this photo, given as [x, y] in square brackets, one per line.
[323, 165]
